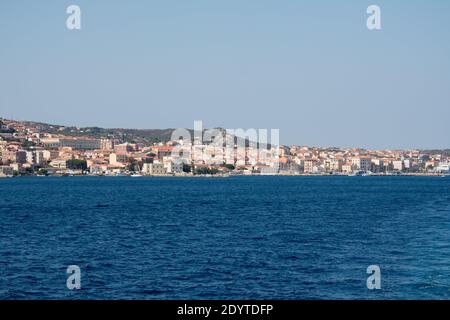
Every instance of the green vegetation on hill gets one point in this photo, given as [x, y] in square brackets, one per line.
[444, 152]
[4, 129]
[143, 136]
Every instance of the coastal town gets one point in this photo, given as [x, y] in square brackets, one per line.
[28, 149]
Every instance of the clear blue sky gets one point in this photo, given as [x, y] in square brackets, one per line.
[309, 68]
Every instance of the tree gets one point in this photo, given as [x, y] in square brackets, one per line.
[76, 164]
[42, 172]
[229, 166]
[186, 168]
[28, 145]
[205, 170]
[133, 165]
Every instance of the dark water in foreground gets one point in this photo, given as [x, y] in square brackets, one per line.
[231, 238]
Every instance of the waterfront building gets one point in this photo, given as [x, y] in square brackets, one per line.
[59, 163]
[443, 167]
[154, 169]
[173, 167]
[398, 165]
[347, 167]
[310, 166]
[362, 163]
[333, 165]
[378, 165]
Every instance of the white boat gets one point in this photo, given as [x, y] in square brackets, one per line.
[358, 174]
[136, 174]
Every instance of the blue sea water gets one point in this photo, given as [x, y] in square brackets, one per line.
[225, 238]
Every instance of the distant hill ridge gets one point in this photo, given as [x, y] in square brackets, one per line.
[146, 136]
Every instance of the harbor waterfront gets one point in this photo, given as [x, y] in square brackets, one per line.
[245, 237]
[30, 148]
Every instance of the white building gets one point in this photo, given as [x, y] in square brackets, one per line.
[362, 163]
[378, 165]
[443, 167]
[407, 164]
[398, 165]
[333, 165]
[37, 157]
[59, 164]
[173, 167]
[347, 167]
[154, 168]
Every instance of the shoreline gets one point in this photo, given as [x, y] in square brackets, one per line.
[232, 175]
